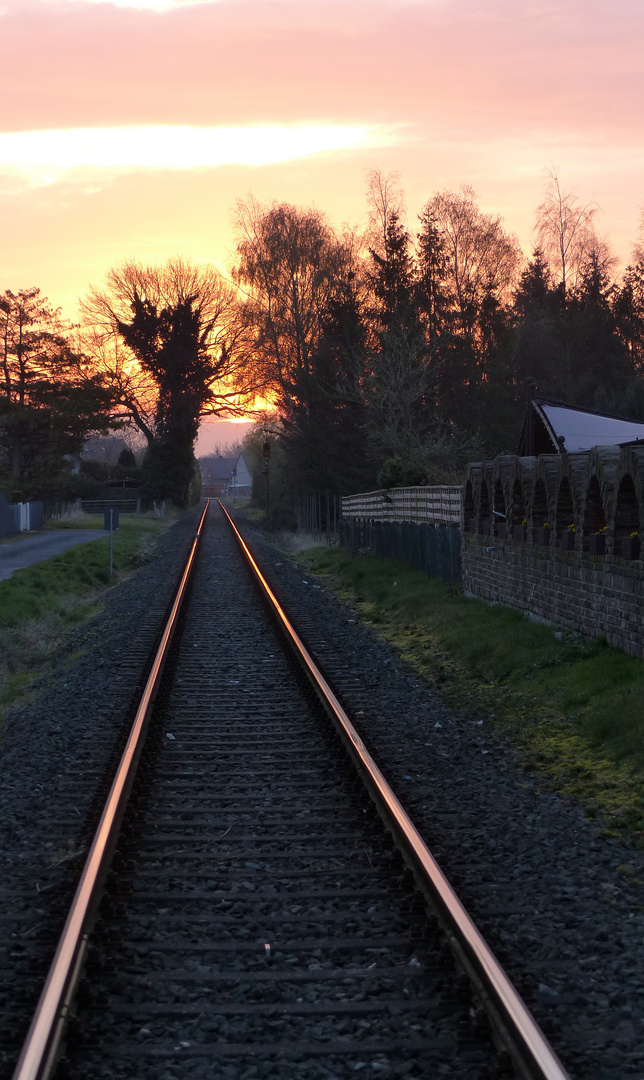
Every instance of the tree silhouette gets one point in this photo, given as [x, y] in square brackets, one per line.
[178, 324]
[50, 399]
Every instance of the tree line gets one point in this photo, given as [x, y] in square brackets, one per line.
[382, 359]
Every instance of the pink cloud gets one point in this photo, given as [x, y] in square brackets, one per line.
[496, 64]
[492, 93]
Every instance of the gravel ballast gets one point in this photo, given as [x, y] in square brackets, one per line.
[561, 905]
[258, 922]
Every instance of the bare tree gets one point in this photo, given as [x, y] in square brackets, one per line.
[290, 263]
[134, 389]
[480, 258]
[385, 204]
[399, 392]
[565, 232]
[637, 255]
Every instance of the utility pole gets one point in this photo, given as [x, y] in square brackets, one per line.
[266, 450]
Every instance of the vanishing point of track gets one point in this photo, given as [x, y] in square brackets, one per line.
[253, 916]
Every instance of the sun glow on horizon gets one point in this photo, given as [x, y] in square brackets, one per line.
[44, 157]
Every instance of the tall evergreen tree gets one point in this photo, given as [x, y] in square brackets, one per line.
[50, 399]
[478, 265]
[537, 322]
[628, 309]
[392, 275]
[600, 370]
[325, 441]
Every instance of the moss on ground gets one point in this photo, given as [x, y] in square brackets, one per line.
[572, 706]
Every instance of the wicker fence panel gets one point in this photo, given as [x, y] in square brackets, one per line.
[436, 504]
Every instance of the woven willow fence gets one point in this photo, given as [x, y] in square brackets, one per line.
[437, 504]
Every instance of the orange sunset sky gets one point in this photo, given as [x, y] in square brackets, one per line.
[130, 128]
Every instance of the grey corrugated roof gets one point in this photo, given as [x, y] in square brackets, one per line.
[559, 427]
[582, 430]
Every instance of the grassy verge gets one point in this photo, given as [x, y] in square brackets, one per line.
[40, 604]
[571, 706]
[252, 514]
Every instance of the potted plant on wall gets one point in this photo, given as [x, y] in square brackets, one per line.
[568, 538]
[597, 541]
[542, 533]
[629, 546]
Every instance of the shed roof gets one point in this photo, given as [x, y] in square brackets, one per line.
[559, 427]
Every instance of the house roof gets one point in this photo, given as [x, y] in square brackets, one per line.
[559, 427]
[219, 468]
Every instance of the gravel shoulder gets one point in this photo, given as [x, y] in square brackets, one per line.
[54, 760]
[562, 905]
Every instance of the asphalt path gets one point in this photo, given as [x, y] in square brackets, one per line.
[34, 549]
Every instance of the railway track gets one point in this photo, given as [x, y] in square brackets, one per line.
[258, 920]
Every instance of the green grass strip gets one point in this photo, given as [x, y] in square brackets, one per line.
[572, 707]
[40, 604]
[36, 589]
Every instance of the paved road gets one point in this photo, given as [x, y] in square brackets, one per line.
[42, 546]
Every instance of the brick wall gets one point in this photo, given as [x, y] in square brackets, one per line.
[590, 502]
[569, 588]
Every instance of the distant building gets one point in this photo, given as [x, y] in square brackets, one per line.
[242, 481]
[552, 427]
[124, 482]
[225, 476]
[216, 474]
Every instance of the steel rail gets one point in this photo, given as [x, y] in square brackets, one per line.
[530, 1050]
[40, 1049]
